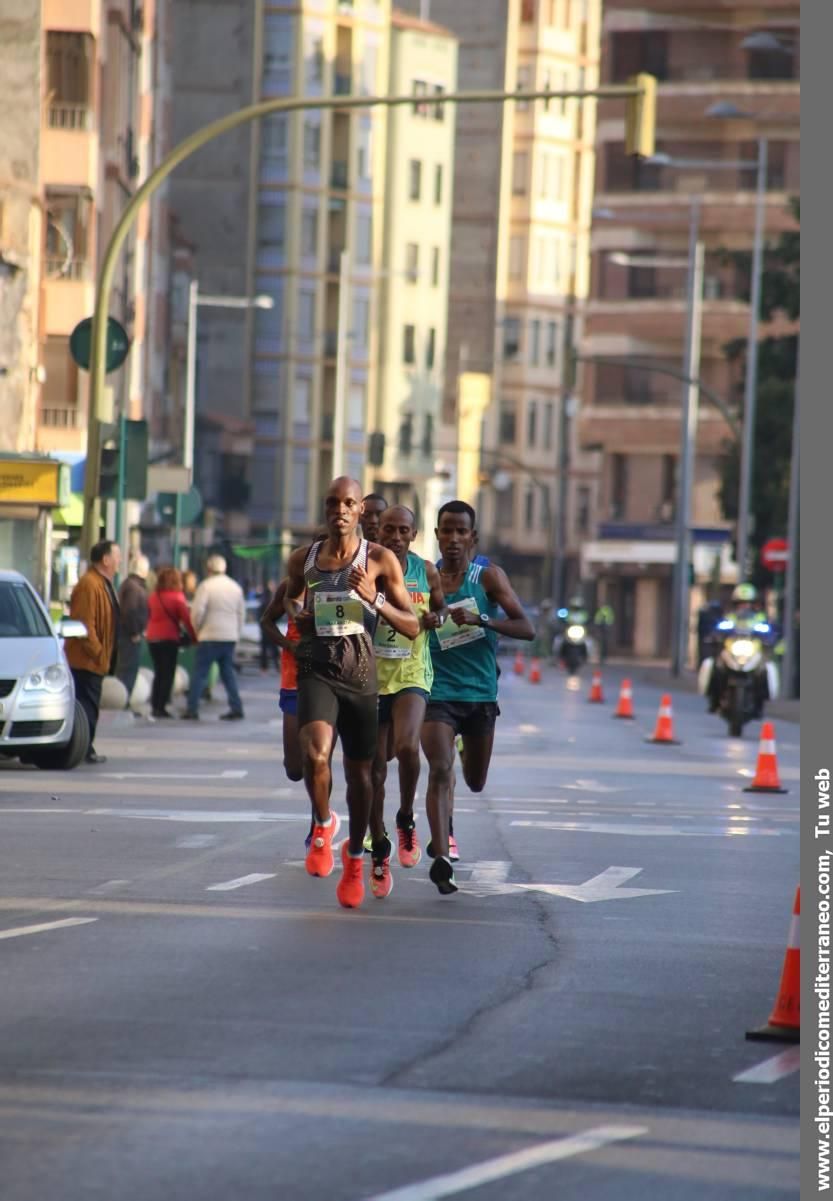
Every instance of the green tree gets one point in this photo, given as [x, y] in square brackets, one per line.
[777, 361]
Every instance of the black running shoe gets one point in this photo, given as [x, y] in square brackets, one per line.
[442, 874]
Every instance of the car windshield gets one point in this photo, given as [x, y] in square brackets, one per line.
[20, 614]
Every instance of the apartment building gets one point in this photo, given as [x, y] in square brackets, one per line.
[414, 275]
[270, 209]
[519, 267]
[720, 90]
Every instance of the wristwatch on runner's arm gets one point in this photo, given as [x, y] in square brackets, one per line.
[379, 601]
[485, 619]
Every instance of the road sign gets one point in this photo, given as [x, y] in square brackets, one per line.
[775, 553]
[117, 344]
[190, 506]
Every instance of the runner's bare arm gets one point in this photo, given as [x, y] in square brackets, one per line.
[438, 610]
[272, 615]
[384, 574]
[515, 624]
[293, 601]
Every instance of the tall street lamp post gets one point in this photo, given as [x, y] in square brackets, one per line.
[196, 301]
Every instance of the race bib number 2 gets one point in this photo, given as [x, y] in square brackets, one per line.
[338, 614]
[450, 634]
[388, 644]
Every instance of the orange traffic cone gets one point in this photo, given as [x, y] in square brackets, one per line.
[784, 1023]
[664, 729]
[519, 666]
[766, 772]
[596, 696]
[535, 671]
[625, 706]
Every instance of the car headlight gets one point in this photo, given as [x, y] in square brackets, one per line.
[575, 633]
[54, 678]
[742, 649]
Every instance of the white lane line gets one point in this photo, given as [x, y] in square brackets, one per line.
[166, 775]
[508, 1165]
[107, 886]
[586, 827]
[515, 812]
[19, 931]
[201, 816]
[770, 1070]
[241, 882]
[189, 842]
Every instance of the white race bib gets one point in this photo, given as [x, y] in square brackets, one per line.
[338, 614]
[450, 634]
[388, 643]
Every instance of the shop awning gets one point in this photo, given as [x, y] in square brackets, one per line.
[71, 514]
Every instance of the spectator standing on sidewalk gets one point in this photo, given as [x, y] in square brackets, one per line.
[94, 602]
[218, 613]
[133, 606]
[170, 619]
[268, 649]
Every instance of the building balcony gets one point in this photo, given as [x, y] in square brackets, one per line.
[78, 117]
[69, 153]
[73, 16]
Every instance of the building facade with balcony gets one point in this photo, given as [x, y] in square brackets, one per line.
[631, 418]
[519, 266]
[406, 409]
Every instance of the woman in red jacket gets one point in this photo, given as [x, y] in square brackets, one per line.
[169, 618]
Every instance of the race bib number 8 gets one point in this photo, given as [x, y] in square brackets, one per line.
[450, 634]
[338, 614]
[388, 644]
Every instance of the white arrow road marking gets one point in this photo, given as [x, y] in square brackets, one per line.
[772, 1069]
[653, 831]
[174, 776]
[604, 887]
[241, 882]
[19, 931]
[509, 1165]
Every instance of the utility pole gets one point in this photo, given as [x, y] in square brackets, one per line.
[342, 365]
[568, 375]
[792, 552]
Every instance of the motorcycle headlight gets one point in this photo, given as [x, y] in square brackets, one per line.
[742, 649]
[575, 633]
[54, 678]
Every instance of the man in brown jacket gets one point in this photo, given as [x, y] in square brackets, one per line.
[94, 602]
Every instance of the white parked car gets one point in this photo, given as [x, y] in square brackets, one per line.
[40, 720]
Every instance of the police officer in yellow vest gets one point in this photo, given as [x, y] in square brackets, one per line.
[603, 621]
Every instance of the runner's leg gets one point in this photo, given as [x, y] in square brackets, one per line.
[408, 714]
[379, 777]
[293, 763]
[476, 757]
[316, 738]
[438, 745]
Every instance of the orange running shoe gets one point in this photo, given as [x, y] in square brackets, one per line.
[409, 849]
[350, 888]
[381, 880]
[319, 860]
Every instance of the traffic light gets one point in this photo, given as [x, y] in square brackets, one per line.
[135, 464]
[376, 449]
[641, 116]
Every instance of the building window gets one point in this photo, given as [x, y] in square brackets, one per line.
[549, 413]
[301, 407]
[355, 412]
[273, 142]
[412, 262]
[70, 59]
[409, 344]
[771, 64]
[406, 434]
[511, 337]
[431, 348]
[618, 487]
[643, 51]
[315, 61]
[309, 233]
[531, 423]
[361, 322]
[438, 109]
[364, 151]
[306, 315]
[534, 342]
[583, 510]
[527, 12]
[312, 144]
[547, 84]
[669, 487]
[438, 184]
[428, 436]
[278, 42]
[364, 239]
[271, 225]
[414, 179]
[435, 267]
[642, 282]
[520, 172]
[505, 508]
[529, 508]
[516, 257]
[69, 215]
[420, 107]
[507, 429]
[564, 86]
[524, 78]
[552, 339]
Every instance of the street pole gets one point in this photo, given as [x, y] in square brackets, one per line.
[751, 387]
[342, 365]
[792, 552]
[560, 521]
[120, 481]
[190, 399]
[690, 413]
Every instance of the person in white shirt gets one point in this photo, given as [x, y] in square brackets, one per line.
[218, 613]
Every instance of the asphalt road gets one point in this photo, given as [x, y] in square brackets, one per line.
[186, 1014]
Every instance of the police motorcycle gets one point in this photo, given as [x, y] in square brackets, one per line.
[739, 677]
[572, 646]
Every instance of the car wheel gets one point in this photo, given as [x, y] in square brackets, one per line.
[64, 758]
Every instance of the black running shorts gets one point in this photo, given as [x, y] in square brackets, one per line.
[466, 717]
[354, 714]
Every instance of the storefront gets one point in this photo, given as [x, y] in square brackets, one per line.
[32, 486]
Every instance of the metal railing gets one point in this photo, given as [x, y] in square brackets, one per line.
[77, 117]
[68, 268]
[60, 418]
